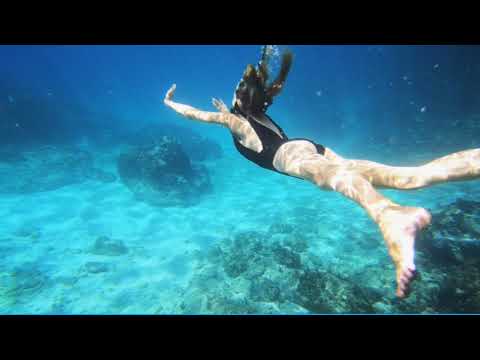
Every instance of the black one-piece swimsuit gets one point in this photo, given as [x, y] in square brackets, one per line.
[270, 142]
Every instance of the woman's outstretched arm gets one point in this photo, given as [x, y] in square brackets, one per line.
[222, 117]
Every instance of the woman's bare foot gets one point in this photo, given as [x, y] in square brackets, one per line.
[400, 226]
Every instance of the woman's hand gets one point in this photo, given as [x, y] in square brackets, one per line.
[220, 105]
[222, 118]
[170, 92]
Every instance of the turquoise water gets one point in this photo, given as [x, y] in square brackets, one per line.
[85, 231]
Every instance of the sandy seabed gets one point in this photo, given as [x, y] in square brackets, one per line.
[47, 265]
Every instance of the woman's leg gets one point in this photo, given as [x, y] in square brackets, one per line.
[399, 224]
[460, 166]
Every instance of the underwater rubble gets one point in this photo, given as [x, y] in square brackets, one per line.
[251, 274]
[162, 174]
[278, 271]
[48, 168]
[274, 272]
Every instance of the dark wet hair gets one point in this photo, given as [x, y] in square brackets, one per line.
[254, 91]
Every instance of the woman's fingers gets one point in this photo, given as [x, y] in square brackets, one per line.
[220, 105]
[170, 92]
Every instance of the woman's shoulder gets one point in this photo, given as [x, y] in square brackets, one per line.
[236, 122]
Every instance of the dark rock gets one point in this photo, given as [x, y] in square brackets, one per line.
[201, 149]
[197, 147]
[105, 246]
[162, 174]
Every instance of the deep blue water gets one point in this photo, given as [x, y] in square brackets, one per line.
[373, 91]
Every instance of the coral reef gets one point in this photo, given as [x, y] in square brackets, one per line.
[275, 272]
[257, 273]
[162, 174]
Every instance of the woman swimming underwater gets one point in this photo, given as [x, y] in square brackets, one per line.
[258, 138]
